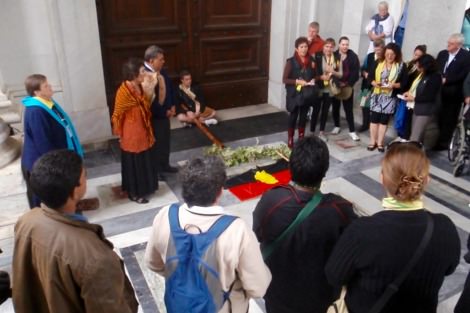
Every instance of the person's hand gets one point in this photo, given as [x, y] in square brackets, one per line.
[444, 80]
[300, 82]
[467, 100]
[408, 97]
[375, 84]
[171, 112]
[149, 83]
[365, 74]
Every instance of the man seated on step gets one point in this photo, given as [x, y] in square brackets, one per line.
[198, 240]
[191, 104]
[61, 262]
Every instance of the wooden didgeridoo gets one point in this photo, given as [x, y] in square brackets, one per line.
[204, 129]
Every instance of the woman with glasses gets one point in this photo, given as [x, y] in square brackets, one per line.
[387, 80]
[373, 251]
[423, 95]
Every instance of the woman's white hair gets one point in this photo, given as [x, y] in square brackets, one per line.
[383, 4]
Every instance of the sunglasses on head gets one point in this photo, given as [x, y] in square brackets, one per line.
[417, 144]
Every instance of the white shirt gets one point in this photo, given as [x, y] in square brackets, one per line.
[387, 25]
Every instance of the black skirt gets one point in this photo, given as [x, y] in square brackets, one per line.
[139, 172]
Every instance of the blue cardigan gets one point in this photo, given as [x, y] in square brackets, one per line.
[43, 132]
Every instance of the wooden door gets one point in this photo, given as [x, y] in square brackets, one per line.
[225, 44]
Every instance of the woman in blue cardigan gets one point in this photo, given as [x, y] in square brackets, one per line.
[46, 127]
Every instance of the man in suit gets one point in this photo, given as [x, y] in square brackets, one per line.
[454, 65]
[163, 107]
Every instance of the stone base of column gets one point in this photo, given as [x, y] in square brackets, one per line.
[10, 148]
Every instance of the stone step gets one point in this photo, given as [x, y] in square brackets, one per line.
[10, 117]
[4, 103]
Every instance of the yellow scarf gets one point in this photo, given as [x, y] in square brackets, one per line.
[393, 204]
[412, 91]
[47, 103]
[332, 62]
[392, 77]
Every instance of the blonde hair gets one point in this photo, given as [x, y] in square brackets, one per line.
[405, 170]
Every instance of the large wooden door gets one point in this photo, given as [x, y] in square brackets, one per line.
[225, 44]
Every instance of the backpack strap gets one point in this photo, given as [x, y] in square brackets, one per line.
[219, 226]
[303, 214]
[173, 216]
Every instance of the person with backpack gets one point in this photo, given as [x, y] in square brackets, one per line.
[211, 261]
[296, 242]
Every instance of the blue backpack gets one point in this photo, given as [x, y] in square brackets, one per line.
[192, 283]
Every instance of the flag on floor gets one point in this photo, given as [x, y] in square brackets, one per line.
[245, 186]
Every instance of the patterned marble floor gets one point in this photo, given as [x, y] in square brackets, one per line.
[354, 174]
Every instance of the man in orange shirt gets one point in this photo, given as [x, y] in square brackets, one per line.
[315, 42]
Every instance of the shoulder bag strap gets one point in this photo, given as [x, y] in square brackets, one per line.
[393, 287]
[306, 211]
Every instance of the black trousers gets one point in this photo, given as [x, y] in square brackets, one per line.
[451, 99]
[299, 113]
[348, 111]
[322, 105]
[33, 200]
[161, 130]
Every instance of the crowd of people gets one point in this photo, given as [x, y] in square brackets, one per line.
[411, 93]
[306, 250]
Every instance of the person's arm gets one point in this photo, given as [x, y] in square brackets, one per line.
[285, 76]
[340, 267]
[161, 89]
[431, 90]
[466, 89]
[369, 31]
[106, 288]
[354, 69]
[252, 271]
[153, 258]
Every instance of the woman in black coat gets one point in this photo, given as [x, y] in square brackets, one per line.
[373, 251]
[423, 96]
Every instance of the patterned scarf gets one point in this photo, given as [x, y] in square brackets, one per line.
[127, 99]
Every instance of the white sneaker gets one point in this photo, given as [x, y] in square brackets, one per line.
[336, 131]
[354, 136]
[322, 136]
[211, 121]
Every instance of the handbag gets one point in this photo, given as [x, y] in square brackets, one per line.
[266, 251]
[339, 306]
[333, 86]
[300, 98]
[365, 98]
[400, 117]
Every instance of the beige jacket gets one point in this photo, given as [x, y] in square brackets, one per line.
[63, 265]
[238, 253]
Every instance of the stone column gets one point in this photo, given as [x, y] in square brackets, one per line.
[9, 147]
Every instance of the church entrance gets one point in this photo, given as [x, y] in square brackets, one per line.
[225, 44]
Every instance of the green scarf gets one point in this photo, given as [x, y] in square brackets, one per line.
[393, 204]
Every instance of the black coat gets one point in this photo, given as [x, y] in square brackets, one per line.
[427, 94]
[351, 63]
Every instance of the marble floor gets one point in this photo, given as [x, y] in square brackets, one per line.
[354, 174]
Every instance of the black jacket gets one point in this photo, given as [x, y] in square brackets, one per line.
[351, 67]
[457, 69]
[297, 265]
[427, 94]
[373, 251]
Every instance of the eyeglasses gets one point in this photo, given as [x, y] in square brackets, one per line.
[417, 144]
